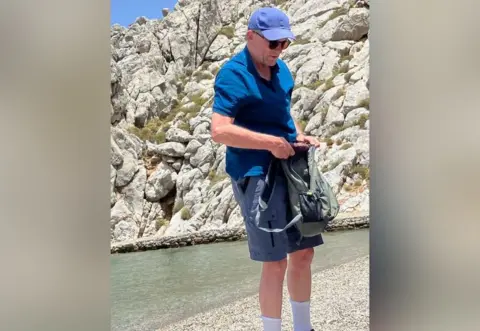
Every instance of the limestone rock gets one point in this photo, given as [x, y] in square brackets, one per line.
[354, 202]
[192, 148]
[160, 182]
[315, 122]
[152, 214]
[133, 193]
[314, 8]
[174, 149]
[127, 170]
[355, 94]
[308, 72]
[203, 156]
[304, 101]
[354, 26]
[124, 226]
[116, 154]
[334, 116]
[113, 175]
[326, 33]
[178, 226]
[178, 135]
[360, 56]
[161, 90]
[219, 49]
[355, 115]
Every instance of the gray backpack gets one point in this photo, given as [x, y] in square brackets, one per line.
[313, 204]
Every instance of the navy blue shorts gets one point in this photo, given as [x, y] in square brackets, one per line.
[269, 246]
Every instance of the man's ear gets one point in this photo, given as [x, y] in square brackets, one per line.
[249, 35]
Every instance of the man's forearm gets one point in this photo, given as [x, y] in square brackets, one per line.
[236, 136]
[299, 129]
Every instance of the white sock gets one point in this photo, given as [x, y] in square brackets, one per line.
[272, 324]
[301, 315]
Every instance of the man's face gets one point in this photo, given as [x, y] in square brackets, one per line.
[264, 51]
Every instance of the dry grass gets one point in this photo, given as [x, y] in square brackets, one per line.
[153, 131]
[214, 178]
[328, 84]
[338, 12]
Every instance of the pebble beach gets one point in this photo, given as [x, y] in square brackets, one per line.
[340, 301]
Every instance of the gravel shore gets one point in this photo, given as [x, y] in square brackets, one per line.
[340, 301]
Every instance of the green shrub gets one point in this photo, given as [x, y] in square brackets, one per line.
[185, 213]
[363, 171]
[227, 31]
[178, 207]
[346, 57]
[192, 110]
[161, 222]
[200, 75]
[362, 120]
[184, 126]
[301, 41]
[365, 103]
[279, 2]
[339, 69]
[315, 84]
[336, 129]
[156, 128]
[328, 84]
[214, 177]
[197, 99]
[150, 132]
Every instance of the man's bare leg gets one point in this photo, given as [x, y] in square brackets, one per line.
[299, 282]
[271, 292]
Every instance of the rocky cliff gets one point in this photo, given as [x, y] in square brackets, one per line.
[167, 175]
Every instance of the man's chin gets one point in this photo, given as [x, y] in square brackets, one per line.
[272, 61]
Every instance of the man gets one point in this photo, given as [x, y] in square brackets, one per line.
[251, 116]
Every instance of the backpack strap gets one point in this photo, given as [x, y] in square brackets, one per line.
[294, 221]
[266, 195]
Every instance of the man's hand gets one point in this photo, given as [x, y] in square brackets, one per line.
[281, 148]
[308, 139]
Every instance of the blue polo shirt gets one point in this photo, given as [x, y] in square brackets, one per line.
[256, 104]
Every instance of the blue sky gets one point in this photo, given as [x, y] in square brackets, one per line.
[125, 12]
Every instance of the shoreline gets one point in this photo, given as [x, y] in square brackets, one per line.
[341, 223]
[340, 301]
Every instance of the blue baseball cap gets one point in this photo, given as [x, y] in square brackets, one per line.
[272, 22]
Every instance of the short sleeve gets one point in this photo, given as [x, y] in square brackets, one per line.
[230, 92]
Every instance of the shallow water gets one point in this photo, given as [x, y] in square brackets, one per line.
[153, 288]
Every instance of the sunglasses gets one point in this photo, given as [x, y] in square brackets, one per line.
[273, 44]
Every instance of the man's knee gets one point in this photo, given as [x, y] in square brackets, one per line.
[276, 268]
[301, 259]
